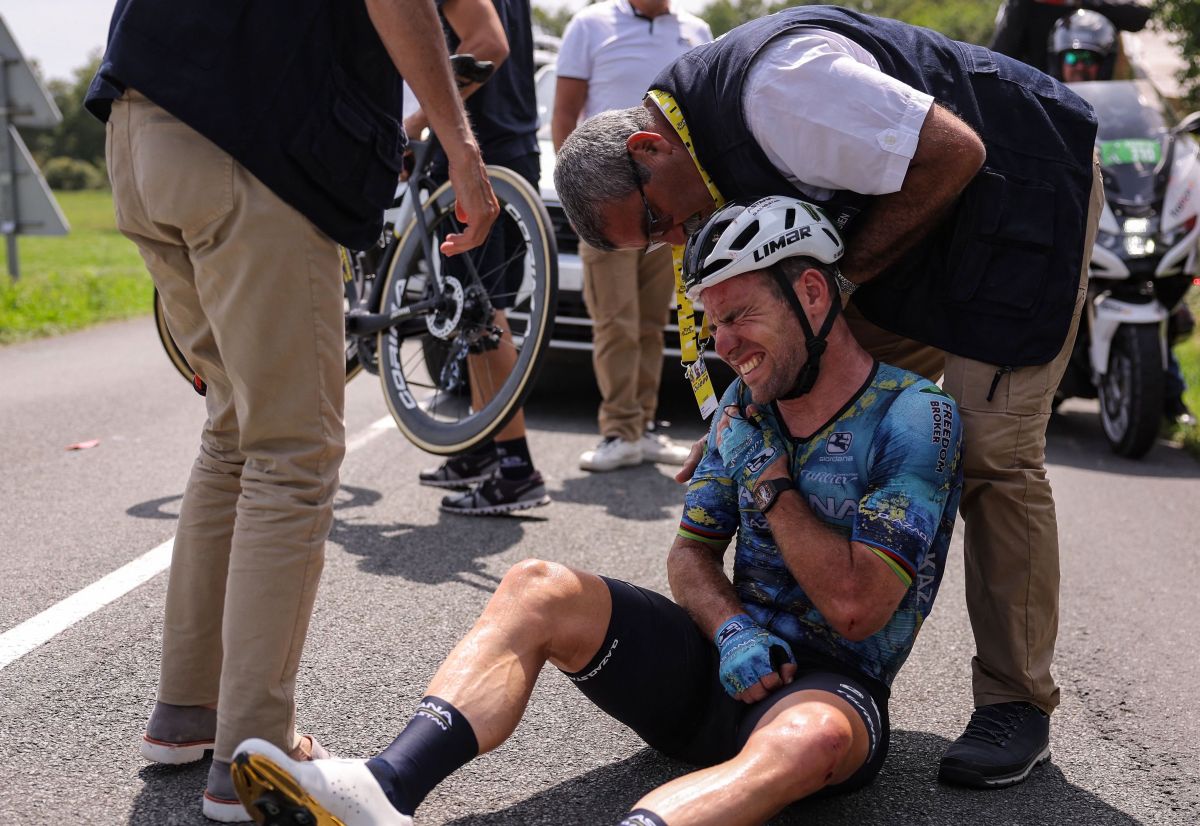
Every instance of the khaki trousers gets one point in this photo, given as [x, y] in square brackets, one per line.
[253, 295]
[627, 294]
[1011, 532]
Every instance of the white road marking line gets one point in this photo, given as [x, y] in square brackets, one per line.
[17, 642]
[32, 633]
[377, 427]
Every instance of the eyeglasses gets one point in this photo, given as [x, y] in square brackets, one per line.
[654, 225]
[1085, 58]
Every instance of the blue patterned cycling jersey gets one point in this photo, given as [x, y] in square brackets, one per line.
[884, 472]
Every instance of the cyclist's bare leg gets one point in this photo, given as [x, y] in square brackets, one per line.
[488, 370]
[541, 612]
[808, 741]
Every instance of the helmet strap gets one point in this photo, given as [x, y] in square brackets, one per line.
[815, 344]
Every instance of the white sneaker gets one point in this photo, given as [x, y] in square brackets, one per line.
[657, 447]
[612, 453]
[275, 789]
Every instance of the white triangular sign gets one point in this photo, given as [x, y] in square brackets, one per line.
[28, 102]
[37, 211]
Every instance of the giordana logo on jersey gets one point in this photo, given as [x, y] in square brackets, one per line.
[839, 442]
[786, 240]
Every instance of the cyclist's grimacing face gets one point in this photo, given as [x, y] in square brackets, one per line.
[755, 334]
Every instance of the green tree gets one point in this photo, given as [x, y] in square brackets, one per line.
[552, 21]
[723, 15]
[1182, 19]
[79, 136]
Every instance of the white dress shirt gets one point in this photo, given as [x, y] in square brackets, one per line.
[827, 118]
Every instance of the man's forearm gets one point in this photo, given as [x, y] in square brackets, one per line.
[560, 129]
[699, 585]
[949, 154]
[854, 590]
[413, 37]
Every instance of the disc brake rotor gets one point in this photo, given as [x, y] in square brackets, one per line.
[444, 323]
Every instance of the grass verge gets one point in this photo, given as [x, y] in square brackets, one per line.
[68, 282]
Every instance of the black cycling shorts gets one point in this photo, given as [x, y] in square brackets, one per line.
[659, 675]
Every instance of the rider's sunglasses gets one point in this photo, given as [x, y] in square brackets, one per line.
[654, 225]
[1082, 57]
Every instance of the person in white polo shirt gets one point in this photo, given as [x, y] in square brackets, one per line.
[610, 52]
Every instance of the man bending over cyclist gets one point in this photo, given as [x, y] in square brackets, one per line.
[839, 477]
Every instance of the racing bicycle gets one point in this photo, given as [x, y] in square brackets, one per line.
[429, 325]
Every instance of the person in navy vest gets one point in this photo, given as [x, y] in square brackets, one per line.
[246, 140]
[966, 185]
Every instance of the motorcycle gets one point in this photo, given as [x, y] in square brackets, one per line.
[1143, 261]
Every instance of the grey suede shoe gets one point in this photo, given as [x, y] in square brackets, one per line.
[179, 734]
[220, 797]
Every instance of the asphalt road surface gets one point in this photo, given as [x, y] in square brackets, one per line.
[402, 582]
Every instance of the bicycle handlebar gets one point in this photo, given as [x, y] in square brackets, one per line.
[468, 70]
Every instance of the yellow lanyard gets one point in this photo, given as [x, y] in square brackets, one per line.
[687, 316]
[689, 349]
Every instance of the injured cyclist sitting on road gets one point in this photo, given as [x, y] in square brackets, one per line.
[838, 476]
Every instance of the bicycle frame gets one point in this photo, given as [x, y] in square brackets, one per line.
[412, 217]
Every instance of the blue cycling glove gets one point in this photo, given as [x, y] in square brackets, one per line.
[749, 652]
[748, 446]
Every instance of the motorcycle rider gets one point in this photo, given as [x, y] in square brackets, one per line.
[1083, 47]
[1024, 26]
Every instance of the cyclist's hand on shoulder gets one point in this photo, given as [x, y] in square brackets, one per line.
[754, 662]
[475, 204]
[750, 446]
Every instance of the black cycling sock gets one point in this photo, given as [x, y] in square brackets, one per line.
[515, 462]
[437, 741]
[642, 817]
[482, 451]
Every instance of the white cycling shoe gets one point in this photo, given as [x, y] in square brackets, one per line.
[279, 791]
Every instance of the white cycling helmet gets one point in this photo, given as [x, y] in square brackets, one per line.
[740, 238]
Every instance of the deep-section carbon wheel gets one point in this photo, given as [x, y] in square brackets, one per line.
[463, 343]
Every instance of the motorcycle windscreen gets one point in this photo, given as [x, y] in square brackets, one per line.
[1133, 137]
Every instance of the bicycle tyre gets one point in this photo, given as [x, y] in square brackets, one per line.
[168, 341]
[427, 417]
[1131, 392]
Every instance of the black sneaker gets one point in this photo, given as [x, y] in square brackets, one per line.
[460, 472]
[1001, 746]
[499, 495]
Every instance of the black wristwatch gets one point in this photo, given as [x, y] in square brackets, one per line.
[766, 493]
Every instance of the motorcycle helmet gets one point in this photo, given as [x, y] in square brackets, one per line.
[1083, 36]
[743, 237]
